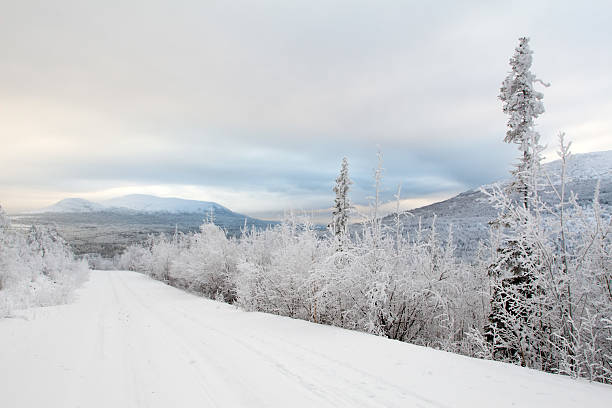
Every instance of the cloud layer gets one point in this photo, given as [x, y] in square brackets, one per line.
[254, 104]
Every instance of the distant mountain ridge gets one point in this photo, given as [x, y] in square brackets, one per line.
[148, 203]
[68, 205]
[134, 202]
[469, 213]
[107, 227]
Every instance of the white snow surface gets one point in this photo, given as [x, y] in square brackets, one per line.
[130, 341]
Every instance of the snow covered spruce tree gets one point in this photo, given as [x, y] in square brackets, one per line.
[550, 292]
[517, 265]
[342, 204]
[522, 103]
[4, 220]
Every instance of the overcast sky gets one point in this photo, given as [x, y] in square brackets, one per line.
[253, 104]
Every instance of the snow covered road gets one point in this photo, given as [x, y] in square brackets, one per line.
[130, 341]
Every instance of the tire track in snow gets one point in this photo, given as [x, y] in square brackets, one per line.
[323, 394]
[186, 349]
[139, 396]
[328, 359]
[414, 398]
[372, 391]
[337, 398]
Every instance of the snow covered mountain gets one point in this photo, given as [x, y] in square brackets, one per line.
[470, 212]
[72, 205]
[148, 203]
[134, 202]
[585, 166]
[108, 227]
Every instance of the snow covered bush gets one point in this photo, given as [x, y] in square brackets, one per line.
[207, 263]
[551, 284]
[204, 262]
[134, 258]
[36, 268]
[276, 266]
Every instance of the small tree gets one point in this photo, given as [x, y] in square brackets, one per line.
[4, 220]
[342, 204]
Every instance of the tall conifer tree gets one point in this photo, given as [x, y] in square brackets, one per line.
[342, 204]
[523, 104]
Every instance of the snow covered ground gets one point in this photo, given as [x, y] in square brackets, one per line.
[130, 341]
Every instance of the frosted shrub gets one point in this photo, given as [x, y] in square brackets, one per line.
[133, 258]
[36, 268]
[207, 263]
[276, 267]
[204, 262]
[551, 282]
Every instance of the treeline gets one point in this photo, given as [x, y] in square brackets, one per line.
[37, 268]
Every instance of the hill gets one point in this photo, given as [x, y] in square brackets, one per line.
[109, 226]
[470, 212]
[134, 203]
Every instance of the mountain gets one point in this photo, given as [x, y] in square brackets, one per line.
[585, 166]
[71, 205]
[469, 213]
[148, 203]
[108, 227]
[134, 202]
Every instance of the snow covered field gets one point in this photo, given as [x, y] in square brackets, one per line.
[130, 341]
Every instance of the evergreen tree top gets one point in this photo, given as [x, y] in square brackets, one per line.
[520, 100]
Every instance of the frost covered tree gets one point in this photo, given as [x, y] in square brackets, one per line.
[4, 220]
[517, 265]
[342, 204]
[522, 103]
[550, 280]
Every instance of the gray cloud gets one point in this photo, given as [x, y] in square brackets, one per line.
[257, 102]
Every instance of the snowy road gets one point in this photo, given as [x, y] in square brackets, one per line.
[130, 341]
